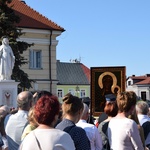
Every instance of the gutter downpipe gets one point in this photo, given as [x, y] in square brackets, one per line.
[50, 76]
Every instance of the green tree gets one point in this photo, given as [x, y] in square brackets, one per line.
[8, 22]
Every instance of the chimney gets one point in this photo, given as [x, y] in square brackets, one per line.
[148, 75]
[23, 1]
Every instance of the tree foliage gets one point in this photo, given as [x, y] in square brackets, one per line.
[8, 27]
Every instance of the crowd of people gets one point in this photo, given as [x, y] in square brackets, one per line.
[40, 122]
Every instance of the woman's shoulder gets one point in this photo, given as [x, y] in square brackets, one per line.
[30, 127]
[131, 121]
[78, 131]
[59, 132]
[124, 121]
[103, 125]
[78, 128]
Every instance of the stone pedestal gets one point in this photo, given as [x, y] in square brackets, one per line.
[8, 93]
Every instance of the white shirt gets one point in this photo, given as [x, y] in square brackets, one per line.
[143, 119]
[92, 133]
[49, 139]
[14, 128]
[123, 134]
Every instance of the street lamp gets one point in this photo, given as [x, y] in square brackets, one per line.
[77, 90]
[149, 92]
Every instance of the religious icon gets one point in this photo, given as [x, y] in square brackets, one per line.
[105, 80]
[108, 82]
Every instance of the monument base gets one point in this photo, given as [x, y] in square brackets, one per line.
[8, 93]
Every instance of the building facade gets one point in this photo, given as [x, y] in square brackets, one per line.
[74, 78]
[140, 85]
[41, 57]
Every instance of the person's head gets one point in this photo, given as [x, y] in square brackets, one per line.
[111, 108]
[5, 41]
[110, 97]
[39, 94]
[142, 107]
[72, 105]
[31, 117]
[46, 110]
[85, 112]
[126, 101]
[4, 110]
[24, 100]
[107, 82]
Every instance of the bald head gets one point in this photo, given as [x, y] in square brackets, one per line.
[24, 100]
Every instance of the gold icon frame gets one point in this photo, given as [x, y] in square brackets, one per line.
[118, 75]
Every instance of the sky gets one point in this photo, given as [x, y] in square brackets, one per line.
[101, 33]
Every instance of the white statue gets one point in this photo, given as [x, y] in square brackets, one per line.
[7, 60]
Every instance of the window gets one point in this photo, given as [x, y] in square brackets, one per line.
[35, 59]
[60, 93]
[129, 82]
[143, 96]
[82, 93]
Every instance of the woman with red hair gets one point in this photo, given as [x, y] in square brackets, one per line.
[110, 110]
[45, 136]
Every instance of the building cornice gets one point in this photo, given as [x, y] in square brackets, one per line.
[38, 41]
[40, 31]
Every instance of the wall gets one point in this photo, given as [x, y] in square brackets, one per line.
[138, 89]
[65, 89]
[41, 40]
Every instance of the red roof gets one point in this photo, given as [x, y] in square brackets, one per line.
[31, 18]
[146, 81]
[140, 80]
[86, 71]
[138, 77]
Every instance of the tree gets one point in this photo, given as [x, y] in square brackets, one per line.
[8, 22]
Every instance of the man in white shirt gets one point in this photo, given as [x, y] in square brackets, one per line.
[142, 110]
[90, 129]
[16, 122]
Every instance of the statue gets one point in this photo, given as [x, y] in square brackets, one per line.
[7, 60]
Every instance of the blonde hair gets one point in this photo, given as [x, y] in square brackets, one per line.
[31, 117]
[125, 100]
[71, 105]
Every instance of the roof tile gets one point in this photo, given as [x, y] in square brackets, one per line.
[145, 81]
[140, 80]
[72, 74]
[31, 18]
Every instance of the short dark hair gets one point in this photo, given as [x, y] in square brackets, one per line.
[111, 108]
[41, 93]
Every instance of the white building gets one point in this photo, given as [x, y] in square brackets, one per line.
[140, 85]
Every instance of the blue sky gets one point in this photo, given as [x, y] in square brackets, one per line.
[102, 32]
